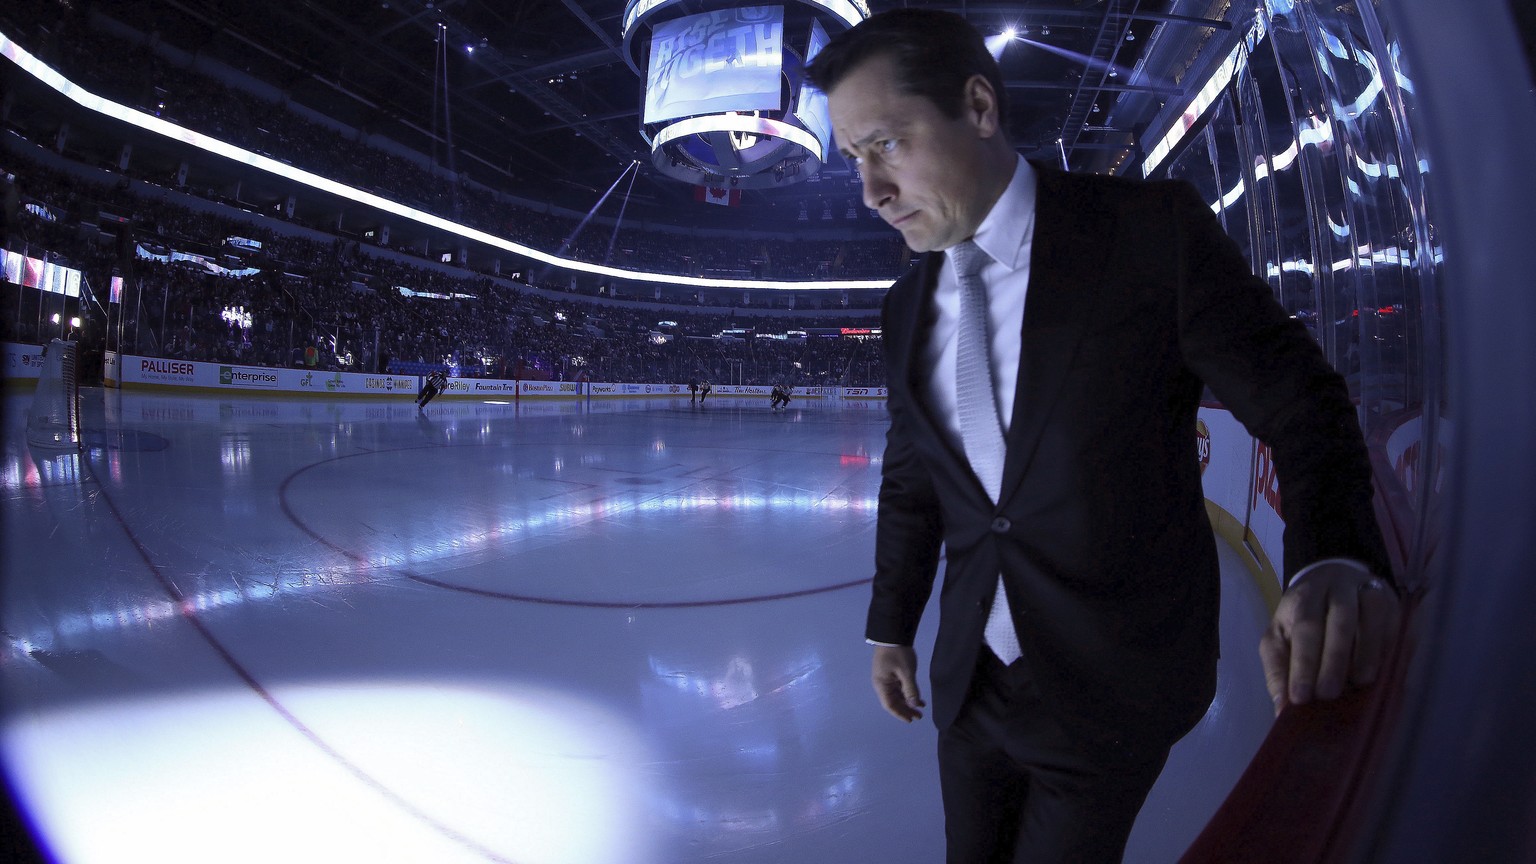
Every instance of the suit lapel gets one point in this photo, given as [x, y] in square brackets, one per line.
[918, 324]
[1073, 234]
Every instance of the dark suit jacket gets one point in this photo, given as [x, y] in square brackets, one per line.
[1136, 297]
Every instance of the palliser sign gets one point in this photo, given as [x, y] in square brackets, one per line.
[167, 370]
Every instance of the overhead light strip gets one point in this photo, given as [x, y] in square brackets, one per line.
[1207, 96]
[90, 101]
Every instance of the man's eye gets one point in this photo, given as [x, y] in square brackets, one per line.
[887, 146]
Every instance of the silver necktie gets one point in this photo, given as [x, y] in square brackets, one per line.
[981, 428]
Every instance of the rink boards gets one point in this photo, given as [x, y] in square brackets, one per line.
[132, 371]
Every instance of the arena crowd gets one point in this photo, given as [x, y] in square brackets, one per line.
[339, 306]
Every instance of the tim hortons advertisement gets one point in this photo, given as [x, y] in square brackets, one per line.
[741, 390]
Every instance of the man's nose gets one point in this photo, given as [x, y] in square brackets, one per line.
[878, 189]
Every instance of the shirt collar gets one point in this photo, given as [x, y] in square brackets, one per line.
[1002, 234]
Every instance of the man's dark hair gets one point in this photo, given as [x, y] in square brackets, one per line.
[935, 53]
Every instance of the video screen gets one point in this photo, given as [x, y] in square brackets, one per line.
[727, 60]
[811, 104]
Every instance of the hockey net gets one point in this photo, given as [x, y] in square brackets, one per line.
[54, 420]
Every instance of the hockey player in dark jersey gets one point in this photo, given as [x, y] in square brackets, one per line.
[436, 383]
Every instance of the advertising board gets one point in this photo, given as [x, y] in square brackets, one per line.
[23, 361]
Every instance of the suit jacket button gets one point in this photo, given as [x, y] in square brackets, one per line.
[1001, 525]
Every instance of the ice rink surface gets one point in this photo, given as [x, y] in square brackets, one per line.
[265, 629]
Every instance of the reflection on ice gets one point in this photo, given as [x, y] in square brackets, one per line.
[403, 771]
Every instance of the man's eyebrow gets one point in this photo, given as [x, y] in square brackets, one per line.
[847, 149]
[896, 128]
[868, 138]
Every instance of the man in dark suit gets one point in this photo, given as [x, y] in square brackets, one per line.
[1045, 362]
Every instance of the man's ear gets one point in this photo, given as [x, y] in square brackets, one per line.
[980, 102]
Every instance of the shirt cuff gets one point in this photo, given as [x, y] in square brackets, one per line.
[1310, 568]
[885, 644]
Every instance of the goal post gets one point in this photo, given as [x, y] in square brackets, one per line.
[54, 420]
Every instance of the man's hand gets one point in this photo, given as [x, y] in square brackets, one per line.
[1332, 628]
[894, 672]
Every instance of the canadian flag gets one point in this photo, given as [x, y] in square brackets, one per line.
[713, 195]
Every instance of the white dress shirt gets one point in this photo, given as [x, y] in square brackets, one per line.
[1006, 235]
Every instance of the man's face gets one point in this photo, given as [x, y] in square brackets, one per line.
[922, 170]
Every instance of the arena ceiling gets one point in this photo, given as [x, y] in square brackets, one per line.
[539, 98]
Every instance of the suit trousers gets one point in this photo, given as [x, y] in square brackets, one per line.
[1019, 790]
